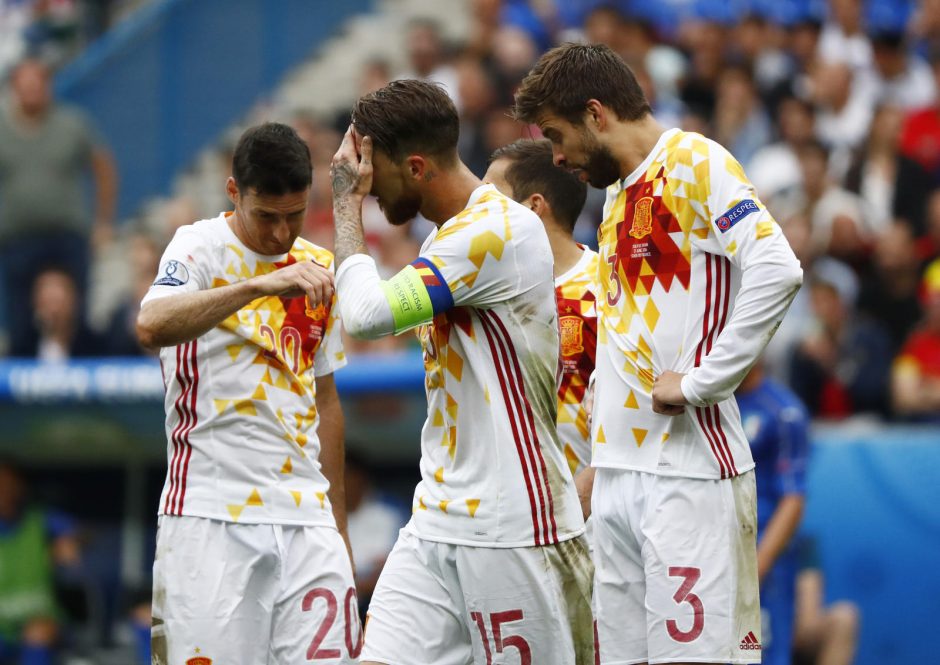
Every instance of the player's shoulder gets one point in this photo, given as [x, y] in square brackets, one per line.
[207, 231]
[690, 149]
[304, 250]
[489, 215]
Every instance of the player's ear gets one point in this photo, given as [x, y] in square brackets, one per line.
[537, 204]
[595, 115]
[231, 189]
[417, 167]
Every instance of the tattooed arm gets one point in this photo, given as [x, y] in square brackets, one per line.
[352, 179]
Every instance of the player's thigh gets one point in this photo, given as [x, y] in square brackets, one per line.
[529, 604]
[700, 558]
[316, 616]
[203, 573]
[619, 578]
[414, 616]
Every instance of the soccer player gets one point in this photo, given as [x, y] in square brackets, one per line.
[524, 172]
[694, 277]
[492, 566]
[251, 564]
[776, 425]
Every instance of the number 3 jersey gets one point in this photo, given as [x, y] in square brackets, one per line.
[694, 277]
[241, 413]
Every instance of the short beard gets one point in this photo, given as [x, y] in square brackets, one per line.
[602, 168]
[402, 211]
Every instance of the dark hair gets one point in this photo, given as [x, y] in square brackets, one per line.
[272, 159]
[409, 117]
[532, 171]
[566, 77]
[811, 148]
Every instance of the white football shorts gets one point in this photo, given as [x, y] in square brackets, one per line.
[675, 568]
[252, 593]
[443, 604]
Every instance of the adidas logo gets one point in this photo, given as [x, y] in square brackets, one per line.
[750, 642]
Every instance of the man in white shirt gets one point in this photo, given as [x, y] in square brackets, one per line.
[493, 559]
[694, 277]
[252, 561]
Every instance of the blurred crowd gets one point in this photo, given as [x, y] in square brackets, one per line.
[832, 109]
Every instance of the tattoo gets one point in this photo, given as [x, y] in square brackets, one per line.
[429, 176]
[345, 178]
[349, 237]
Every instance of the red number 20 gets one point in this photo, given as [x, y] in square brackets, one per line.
[684, 595]
[497, 619]
[314, 652]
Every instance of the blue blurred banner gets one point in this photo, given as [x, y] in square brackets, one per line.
[873, 508]
[121, 380]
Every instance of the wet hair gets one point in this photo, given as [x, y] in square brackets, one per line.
[566, 77]
[272, 160]
[409, 117]
[531, 170]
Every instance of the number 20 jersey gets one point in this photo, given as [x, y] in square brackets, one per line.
[241, 413]
[676, 235]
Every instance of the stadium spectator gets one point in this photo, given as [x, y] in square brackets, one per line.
[875, 171]
[33, 541]
[844, 110]
[841, 366]
[775, 168]
[915, 376]
[46, 151]
[59, 330]
[777, 428]
[428, 57]
[373, 521]
[143, 258]
[928, 245]
[900, 78]
[843, 38]
[740, 122]
[920, 135]
[891, 282]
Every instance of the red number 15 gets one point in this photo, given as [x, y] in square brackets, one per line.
[497, 619]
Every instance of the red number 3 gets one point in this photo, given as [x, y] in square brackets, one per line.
[684, 595]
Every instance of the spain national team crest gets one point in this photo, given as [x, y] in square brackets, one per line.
[318, 313]
[199, 660]
[572, 336]
[642, 218]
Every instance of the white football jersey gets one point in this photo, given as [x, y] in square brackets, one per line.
[694, 277]
[576, 295]
[493, 472]
[241, 414]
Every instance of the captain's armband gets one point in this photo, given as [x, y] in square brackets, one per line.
[416, 294]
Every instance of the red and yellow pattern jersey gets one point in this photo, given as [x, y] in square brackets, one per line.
[241, 406]
[694, 276]
[575, 293]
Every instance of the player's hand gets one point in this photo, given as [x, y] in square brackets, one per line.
[304, 278]
[668, 399]
[351, 168]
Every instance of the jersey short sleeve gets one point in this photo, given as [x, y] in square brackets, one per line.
[469, 262]
[330, 355]
[183, 267]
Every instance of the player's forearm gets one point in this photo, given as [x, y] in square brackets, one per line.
[767, 289]
[181, 318]
[779, 532]
[331, 433]
[584, 483]
[363, 306]
[349, 236]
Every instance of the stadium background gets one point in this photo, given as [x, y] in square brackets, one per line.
[171, 83]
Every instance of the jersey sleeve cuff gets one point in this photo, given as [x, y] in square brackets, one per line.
[689, 392]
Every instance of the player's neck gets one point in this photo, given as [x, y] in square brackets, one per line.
[565, 250]
[633, 141]
[448, 192]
